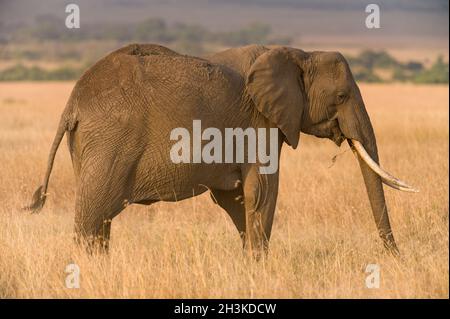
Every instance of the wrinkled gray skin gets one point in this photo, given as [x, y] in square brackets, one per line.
[121, 112]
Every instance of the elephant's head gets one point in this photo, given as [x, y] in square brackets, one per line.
[315, 93]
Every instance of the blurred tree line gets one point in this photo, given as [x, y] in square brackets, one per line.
[28, 42]
[368, 65]
[52, 28]
[19, 72]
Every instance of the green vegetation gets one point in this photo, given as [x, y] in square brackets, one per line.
[367, 66]
[20, 72]
[438, 73]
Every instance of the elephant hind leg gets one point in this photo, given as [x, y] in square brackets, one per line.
[94, 237]
[93, 234]
[232, 202]
[100, 197]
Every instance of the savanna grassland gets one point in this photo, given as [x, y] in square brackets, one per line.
[323, 236]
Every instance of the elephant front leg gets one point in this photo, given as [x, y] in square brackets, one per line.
[260, 196]
[232, 202]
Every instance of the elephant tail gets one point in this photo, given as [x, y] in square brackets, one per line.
[40, 194]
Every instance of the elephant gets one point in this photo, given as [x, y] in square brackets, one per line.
[121, 112]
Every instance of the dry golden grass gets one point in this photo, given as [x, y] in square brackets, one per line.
[323, 235]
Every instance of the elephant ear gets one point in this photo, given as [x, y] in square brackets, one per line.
[275, 85]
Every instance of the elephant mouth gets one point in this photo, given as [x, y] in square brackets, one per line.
[336, 134]
[338, 138]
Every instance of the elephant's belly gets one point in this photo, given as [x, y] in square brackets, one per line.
[175, 182]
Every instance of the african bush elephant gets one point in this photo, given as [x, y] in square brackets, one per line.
[121, 112]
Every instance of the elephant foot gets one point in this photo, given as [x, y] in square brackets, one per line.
[95, 241]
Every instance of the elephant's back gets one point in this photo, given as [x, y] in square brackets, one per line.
[114, 77]
[151, 78]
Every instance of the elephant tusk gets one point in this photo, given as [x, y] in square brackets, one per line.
[387, 178]
[400, 188]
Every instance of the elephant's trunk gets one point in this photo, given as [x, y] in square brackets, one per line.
[377, 200]
[355, 124]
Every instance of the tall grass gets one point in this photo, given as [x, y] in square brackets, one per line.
[323, 236]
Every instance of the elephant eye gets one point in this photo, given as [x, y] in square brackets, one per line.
[340, 98]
